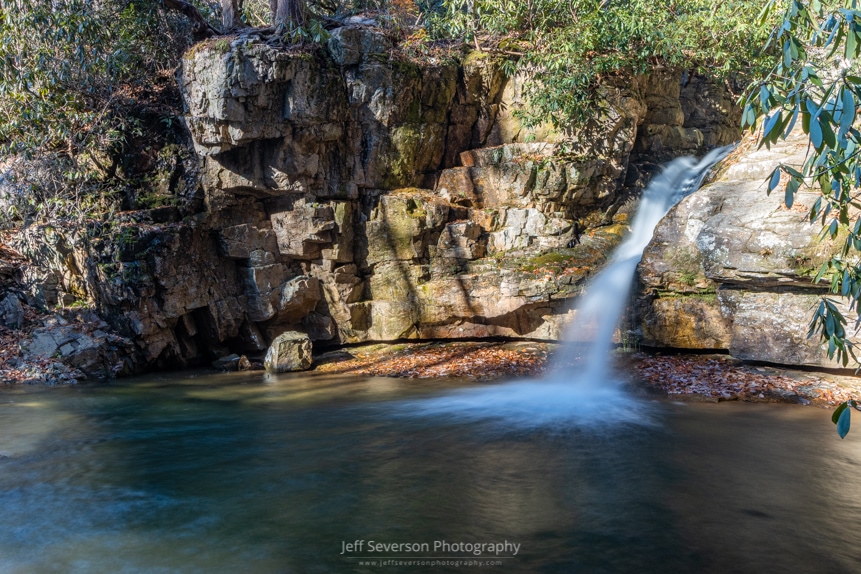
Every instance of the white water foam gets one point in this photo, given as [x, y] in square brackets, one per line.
[580, 389]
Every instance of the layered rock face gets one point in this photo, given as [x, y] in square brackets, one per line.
[731, 267]
[354, 196]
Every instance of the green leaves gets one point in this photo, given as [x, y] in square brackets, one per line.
[774, 179]
[748, 117]
[825, 122]
[843, 423]
[841, 417]
[70, 79]
[835, 416]
[830, 322]
[574, 47]
[815, 131]
[64, 65]
[847, 113]
[828, 107]
[789, 193]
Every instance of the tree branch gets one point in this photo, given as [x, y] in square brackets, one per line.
[201, 28]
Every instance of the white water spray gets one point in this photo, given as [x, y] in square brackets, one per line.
[580, 389]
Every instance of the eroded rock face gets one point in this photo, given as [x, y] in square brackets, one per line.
[335, 156]
[730, 267]
[352, 195]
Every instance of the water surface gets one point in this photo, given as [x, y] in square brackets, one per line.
[247, 473]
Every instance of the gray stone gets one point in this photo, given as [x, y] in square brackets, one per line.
[351, 44]
[303, 230]
[290, 351]
[11, 312]
[461, 241]
[299, 296]
[772, 327]
[251, 337]
[94, 354]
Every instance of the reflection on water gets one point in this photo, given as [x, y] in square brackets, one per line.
[241, 473]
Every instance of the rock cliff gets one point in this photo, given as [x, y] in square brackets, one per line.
[354, 195]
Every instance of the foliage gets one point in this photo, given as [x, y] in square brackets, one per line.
[65, 64]
[815, 81]
[73, 74]
[571, 46]
[256, 12]
[398, 12]
[841, 417]
[49, 188]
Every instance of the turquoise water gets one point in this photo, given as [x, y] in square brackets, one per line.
[248, 473]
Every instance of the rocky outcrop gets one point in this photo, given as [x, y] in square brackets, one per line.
[354, 195]
[683, 116]
[86, 344]
[731, 267]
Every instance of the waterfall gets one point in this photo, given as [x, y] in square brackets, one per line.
[580, 388]
[588, 338]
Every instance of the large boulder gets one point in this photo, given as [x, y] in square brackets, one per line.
[731, 267]
[290, 351]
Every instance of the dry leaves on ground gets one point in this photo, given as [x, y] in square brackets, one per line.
[710, 377]
[724, 379]
[456, 360]
[17, 366]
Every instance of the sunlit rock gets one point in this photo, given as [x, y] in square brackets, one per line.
[290, 351]
[731, 267]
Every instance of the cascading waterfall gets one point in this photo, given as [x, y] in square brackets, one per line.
[580, 388]
[589, 336]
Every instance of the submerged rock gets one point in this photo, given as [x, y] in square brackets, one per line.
[227, 363]
[290, 351]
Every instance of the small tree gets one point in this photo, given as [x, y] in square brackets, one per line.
[283, 13]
